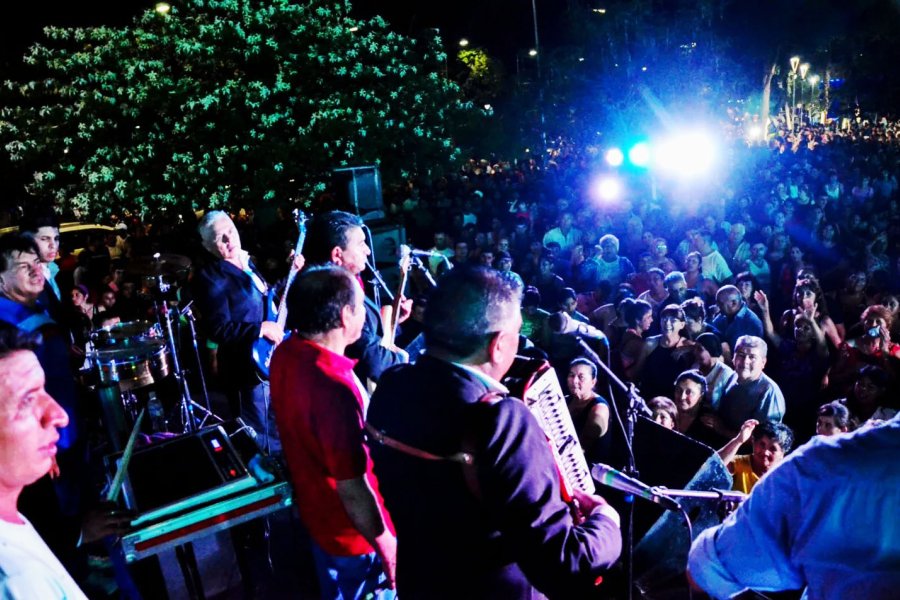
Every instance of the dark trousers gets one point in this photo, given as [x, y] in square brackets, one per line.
[252, 404]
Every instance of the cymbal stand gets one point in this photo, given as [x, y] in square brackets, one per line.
[166, 315]
[188, 314]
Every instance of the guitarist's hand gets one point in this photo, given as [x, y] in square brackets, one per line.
[271, 331]
[405, 309]
[298, 261]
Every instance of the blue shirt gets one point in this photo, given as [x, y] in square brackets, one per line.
[745, 322]
[825, 519]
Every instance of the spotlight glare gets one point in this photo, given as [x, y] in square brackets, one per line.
[607, 189]
[614, 157]
[639, 155]
[687, 155]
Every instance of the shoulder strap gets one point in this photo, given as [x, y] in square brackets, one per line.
[466, 457]
[379, 437]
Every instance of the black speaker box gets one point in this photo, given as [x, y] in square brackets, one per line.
[669, 459]
[358, 189]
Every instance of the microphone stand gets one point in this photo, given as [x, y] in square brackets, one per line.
[420, 266]
[636, 407]
[188, 314]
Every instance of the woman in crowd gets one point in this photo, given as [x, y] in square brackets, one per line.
[663, 357]
[852, 297]
[695, 323]
[870, 399]
[638, 318]
[748, 285]
[809, 300]
[799, 363]
[663, 411]
[689, 392]
[589, 410]
[833, 419]
[873, 346]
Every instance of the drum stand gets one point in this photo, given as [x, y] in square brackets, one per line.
[165, 315]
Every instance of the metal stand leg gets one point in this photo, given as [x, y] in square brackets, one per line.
[191, 572]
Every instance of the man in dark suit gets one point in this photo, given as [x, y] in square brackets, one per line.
[337, 237]
[231, 295]
[466, 471]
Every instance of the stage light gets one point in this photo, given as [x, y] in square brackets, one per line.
[687, 155]
[639, 155]
[614, 157]
[607, 189]
[755, 132]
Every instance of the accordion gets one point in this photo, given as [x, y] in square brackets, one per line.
[536, 383]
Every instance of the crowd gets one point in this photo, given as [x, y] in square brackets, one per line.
[751, 321]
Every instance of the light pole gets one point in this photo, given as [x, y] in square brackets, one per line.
[536, 54]
[804, 69]
[813, 95]
[795, 64]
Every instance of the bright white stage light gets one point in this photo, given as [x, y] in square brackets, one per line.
[614, 157]
[607, 189]
[639, 155]
[755, 132]
[686, 155]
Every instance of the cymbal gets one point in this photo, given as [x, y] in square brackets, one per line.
[162, 264]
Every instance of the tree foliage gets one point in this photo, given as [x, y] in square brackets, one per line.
[225, 103]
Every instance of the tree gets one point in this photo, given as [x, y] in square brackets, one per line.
[225, 103]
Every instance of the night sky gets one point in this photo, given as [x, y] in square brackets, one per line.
[501, 26]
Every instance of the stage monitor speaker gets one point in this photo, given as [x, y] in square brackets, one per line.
[358, 190]
[669, 459]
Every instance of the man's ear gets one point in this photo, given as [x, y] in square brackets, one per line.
[346, 315]
[499, 345]
[337, 256]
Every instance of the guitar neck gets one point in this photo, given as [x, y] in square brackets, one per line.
[281, 319]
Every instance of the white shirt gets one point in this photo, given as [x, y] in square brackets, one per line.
[825, 519]
[29, 570]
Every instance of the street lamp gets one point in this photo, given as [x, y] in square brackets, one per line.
[162, 8]
[792, 79]
[533, 53]
[463, 43]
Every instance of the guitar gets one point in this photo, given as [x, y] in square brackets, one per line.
[389, 320]
[390, 313]
[263, 348]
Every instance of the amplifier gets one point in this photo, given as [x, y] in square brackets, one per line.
[194, 485]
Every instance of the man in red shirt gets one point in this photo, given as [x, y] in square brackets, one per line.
[320, 408]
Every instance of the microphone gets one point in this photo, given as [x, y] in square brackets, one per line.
[561, 322]
[618, 480]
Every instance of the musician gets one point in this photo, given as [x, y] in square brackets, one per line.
[337, 237]
[29, 422]
[44, 230]
[230, 294]
[21, 284]
[825, 519]
[498, 528]
[320, 407]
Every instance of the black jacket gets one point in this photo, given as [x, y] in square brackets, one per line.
[231, 311]
[499, 534]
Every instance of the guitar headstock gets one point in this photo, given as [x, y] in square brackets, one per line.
[405, 257]
[301, 218]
